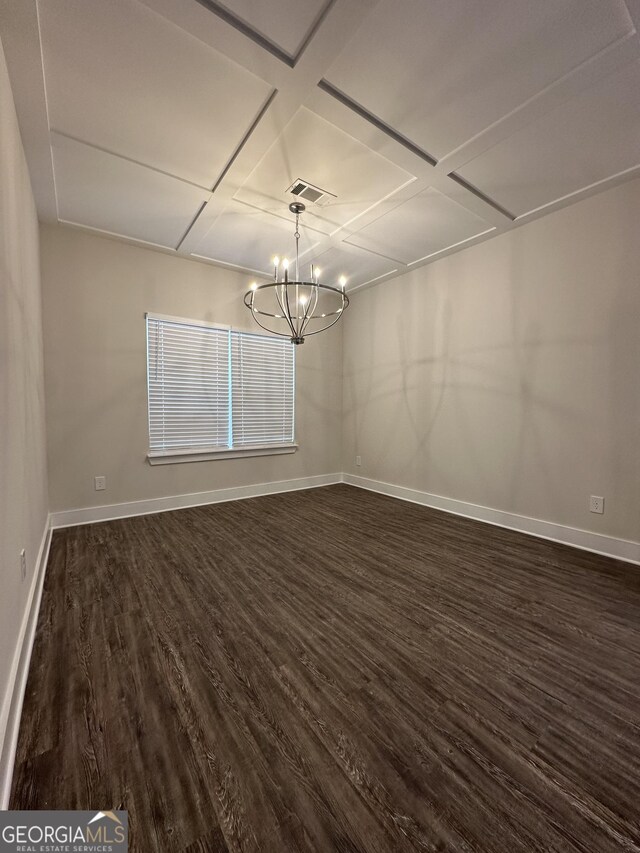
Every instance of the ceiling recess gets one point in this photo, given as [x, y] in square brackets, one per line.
[309, 192]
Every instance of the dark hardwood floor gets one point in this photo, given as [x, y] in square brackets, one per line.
[336, 670]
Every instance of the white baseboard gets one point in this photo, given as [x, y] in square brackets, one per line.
[89, 515]
[12, 706]
[608, 546]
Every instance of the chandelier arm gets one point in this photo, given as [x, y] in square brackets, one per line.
[305, 316]
[286, 295]
[316, 294]
[284, 313]
[308, 316]
[303, 323]
[279, 317]
[312, 311]
[249, 295]
[324, 328]
[281, 300]
[271, 331]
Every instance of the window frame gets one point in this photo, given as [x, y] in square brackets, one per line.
[204, 454]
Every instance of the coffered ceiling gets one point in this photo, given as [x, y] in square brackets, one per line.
[181, 124]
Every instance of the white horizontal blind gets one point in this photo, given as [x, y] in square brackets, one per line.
[188, 385]
[262, 390]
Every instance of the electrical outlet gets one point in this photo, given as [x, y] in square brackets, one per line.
[596, 504]
[100, 483]
[358, 461]
[23, 564]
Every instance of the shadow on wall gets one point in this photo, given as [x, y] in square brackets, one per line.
[395, 397]
[526, 343]
[442, 388]
[318, 409]
[624, 386]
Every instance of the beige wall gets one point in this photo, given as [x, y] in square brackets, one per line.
[23, 474]
[95, 294]
[508, 375]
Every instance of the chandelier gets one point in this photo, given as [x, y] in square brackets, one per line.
[294, 308]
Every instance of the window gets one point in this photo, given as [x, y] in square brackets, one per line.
[214, 392]
[261, 390]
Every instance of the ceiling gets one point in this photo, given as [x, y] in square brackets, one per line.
[181, 124]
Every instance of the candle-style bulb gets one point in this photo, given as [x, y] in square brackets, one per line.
[317, 272]
[254, 285]
[343, 282]
[285, 265]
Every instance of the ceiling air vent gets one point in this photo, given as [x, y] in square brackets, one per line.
[314, 195]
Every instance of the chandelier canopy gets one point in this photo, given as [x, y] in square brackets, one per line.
[294, 308]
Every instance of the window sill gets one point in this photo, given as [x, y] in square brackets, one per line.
[172, 457]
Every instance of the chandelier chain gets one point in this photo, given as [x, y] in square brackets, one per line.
[297, 236]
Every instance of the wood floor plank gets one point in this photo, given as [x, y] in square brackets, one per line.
[335, 670]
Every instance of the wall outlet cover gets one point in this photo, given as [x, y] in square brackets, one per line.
[596, 504]
[100, 483]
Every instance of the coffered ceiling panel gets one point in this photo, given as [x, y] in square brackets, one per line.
[442, 72]
[356, 265]
[427, 223]
[429, 125]
[591, 138]
[122, 77]
[319, 152]
[101, 191]
[248, 238]
[285, 23]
